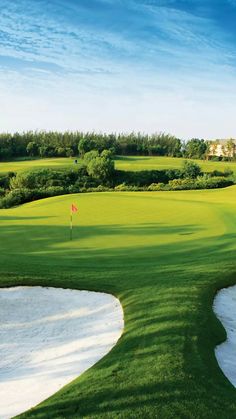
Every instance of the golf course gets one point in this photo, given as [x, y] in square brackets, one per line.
[134, 163]
[117, 209]
[164, 255]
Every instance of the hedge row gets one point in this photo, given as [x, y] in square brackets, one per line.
[21, 196]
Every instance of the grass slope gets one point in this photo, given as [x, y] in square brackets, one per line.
[163, 255]
[122, 163]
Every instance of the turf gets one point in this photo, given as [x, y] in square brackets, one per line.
[28, 164]
[121, 163]
[163, 255]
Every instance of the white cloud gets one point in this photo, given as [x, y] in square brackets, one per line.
[168, 70]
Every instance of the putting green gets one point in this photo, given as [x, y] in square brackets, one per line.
[163, 255]
[121, 163]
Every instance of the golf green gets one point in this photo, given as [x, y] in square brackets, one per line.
[164, 255]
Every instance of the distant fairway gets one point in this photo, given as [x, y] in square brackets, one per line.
[23, 165]
[155, 163]
[163, 255]
[121, 162]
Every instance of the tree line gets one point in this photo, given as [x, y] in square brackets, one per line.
[42, 144]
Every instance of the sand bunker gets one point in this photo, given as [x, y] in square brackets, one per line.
[225, 310]
[48, 337]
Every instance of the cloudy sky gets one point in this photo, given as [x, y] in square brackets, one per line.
[119, 65]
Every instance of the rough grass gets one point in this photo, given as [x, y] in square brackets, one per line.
[122, 163]
[163, 255]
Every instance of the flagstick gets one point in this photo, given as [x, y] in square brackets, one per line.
[71, 225]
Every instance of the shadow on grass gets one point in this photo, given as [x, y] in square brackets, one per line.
[164, 364]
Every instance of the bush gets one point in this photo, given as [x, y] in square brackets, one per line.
[121, 187]
[99, 188]
[21, 196]
[218, 173]
[145, 177]
[16, 197]
[5, 180]
[190, 170]
[43, 178]
[199, 183]
[124, 187]
[216, 182]
[182, 184]
[2, 191]
[157, 187]
[55, 191]
[215, 158]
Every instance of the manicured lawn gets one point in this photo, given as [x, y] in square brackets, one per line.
[122, 163]
[164, 255]
[151, 163]
[23, 165]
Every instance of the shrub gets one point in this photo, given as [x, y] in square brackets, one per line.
[131, 188]
[44, 178]
[200, 183]
[54, 191]
[157, 187]
[145, 177]
[121, 187]
[99, 188]
[21, 196]
[2, 191]
[182, 184]
[216, 182]
[5, 180]
[190, 170]
[218, 173]
[215, 158]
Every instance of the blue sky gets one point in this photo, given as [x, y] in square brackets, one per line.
[119, 65]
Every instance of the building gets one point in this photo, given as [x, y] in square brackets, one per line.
[222, 148]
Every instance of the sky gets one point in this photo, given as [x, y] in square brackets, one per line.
[119, 66]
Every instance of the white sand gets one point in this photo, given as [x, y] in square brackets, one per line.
[48, 337]
[225, 310]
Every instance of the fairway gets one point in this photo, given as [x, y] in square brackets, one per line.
[160, 163]
[164, 255]
[24, 165]
[134, 163]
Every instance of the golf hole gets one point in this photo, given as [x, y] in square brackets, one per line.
[48, 337]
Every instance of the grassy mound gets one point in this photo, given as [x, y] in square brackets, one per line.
[164, 256]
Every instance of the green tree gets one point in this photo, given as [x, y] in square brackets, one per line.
[32, 149]
[191, 170]
[91, 155]
[195, 149]
[100, 167]
[230, 147]
[85, 145]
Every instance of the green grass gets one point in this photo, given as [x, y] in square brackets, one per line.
[122, 163]
[23, 165]
[152, 163]
[163, 255]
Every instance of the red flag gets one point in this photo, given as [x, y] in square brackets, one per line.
[74, 208]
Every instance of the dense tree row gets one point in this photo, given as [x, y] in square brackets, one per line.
[56, 144]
